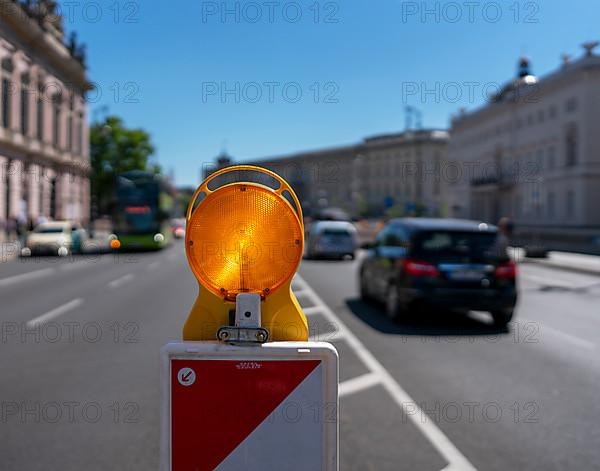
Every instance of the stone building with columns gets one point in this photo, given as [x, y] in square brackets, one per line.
[533, 154]
[44, 137]
[402, 172]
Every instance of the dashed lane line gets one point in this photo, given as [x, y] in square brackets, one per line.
[54, 313]
[32, 275]
[311, 311]
[120, 281]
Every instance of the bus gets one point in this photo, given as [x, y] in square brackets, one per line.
[143, 210]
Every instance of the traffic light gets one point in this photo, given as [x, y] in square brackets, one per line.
[245, 237]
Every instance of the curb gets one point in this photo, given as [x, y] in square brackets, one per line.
[574, 269]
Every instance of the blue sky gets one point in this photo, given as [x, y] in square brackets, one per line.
[356, 65]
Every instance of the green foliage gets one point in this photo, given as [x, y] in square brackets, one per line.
[184, 197]
[395, 211]
[116, 149]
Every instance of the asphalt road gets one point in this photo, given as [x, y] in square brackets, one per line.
[80, 342]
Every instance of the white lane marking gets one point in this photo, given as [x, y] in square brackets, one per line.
[301, 293]
[120, 281]
[435, 436]
[72, 266]
[565, 336]
[310, 311]
[91, 261]
[450, 467]
[326, 337]
[548, 281]
[32, 275]
[360, 383]
[59, 311]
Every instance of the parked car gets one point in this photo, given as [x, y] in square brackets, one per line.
[178, 228]
[55, 238]
[439, 263]
[332, 214]
[332, 239]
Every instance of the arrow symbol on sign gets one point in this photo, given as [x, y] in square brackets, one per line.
[186, 376]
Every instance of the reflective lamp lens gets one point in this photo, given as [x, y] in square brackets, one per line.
[244, 238]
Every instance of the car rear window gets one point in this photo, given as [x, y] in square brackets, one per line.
[337, 232]
[49, 230]
[451, 244]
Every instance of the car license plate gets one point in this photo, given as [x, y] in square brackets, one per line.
[466, 275]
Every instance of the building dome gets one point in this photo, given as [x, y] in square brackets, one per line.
[524, 67]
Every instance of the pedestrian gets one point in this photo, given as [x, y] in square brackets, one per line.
[20, 230]
[505, 230]
[11, 229]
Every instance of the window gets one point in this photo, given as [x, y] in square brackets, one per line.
[7, 91]
[6, 95]
[551, 205]
[550, 159]
[570, 204]
[395, 236]
[571, 147]
[552, 112]
[56, 122]
[40, 113]
[25, 104]
[454, 245]
[539, 165]
[571, 105]
[382, 236]
[436, 178]
[56, 133]
[79, 139]
[70, 132]
[70, 123]
[8, 190]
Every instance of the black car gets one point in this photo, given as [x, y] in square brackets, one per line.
[440, 263]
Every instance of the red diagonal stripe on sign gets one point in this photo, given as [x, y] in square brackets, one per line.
[228, 400]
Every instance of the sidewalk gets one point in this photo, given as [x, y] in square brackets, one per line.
[581, 263]
[9, 251]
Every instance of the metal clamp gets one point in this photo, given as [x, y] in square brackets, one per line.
[247, 328]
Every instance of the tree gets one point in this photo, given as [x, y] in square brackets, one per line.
[116, 149]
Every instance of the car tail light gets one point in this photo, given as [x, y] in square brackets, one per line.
[507, 271]
[419, 268]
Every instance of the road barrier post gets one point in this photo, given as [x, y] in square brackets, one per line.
[245, 390]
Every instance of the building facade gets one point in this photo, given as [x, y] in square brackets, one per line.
[44, 137]
[533, 154]
[398, 173]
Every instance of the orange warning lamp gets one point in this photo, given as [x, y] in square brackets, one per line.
[245, 237]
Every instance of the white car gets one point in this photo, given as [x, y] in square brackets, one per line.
[55, 238]
[332, 239]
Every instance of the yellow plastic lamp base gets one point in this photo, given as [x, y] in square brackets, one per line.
[281, 315]
[245, 237]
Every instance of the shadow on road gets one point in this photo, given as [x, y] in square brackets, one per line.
[434, 324]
